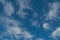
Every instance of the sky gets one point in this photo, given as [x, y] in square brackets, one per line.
[29, 19]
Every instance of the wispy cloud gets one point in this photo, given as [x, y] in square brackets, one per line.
[13, 29]
[40, 39]
[18, 31]
[22, 14]
[8, 9]
[23, 4]
[3, 1]
[52, 14]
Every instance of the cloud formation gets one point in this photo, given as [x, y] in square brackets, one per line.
[13, 29]
[8, 9]
[56, 33]
[52, 14]
[47, 26]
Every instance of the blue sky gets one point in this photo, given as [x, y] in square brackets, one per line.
[29, 20]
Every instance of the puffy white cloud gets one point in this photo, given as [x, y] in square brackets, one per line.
[56, 33]
[8, 9]
[47, 26]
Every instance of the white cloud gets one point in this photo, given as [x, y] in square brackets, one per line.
[56, 33]
[18, 31]
[11, 22]
[15, 29]
[23, 4]
[8, 22]
[12, 26]
[52, 14]
[8, 8]
[40, 38]
[47, 26]
[22, 14]
[27, 35]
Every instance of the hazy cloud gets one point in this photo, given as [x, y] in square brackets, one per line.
[9, 9]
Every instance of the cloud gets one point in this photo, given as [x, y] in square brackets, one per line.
[3, 1]
[22, 14]
[52, 14]
[13, 29]
[27, 35]
[23, 4]
[56, 33]
[40, 38]
[8, 9]
[46, 26]
[11, 22]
